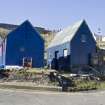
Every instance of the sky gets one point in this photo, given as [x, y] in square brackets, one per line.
[54, 14]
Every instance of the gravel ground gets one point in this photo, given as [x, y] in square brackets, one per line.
[20, 97]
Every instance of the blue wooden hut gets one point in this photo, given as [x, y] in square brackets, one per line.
[22, 44]
[71, 47]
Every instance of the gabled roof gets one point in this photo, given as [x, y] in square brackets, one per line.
[66, 34]
[27, 26]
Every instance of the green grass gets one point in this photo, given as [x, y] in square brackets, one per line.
[101, 85]
[40, 88]
[88, 85]
[84, 86]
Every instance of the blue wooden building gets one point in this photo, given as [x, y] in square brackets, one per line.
[71, 47]
[21, 44]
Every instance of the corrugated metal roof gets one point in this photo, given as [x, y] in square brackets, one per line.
[66, 34]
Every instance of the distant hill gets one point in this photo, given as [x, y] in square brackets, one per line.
[48, 35]
[8, 26]
[12, 27]
[3, 32]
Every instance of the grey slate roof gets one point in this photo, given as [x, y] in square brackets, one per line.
[66, 34]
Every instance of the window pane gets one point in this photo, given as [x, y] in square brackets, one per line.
[65, 52]
[83, 38]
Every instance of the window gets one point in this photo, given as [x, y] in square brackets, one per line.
[56, 54]
[65, 52]
[83, 38]
[22, 49]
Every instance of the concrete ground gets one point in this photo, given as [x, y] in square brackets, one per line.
[23, 97]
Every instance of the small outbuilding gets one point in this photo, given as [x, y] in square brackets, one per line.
[71, 47]
[22, 45]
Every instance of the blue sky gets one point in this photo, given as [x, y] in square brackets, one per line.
[54, 14]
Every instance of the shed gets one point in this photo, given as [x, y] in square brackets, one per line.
[23, 43]
[71, 47]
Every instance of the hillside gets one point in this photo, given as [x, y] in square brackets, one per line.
[3, 32]
[46, 34]
[12, 27]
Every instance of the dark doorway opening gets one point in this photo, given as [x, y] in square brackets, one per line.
[56, 54]
[89, 59]
[27, 62]
[56, 66]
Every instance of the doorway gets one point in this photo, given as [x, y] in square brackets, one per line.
[56, 60]
[89, 59]
[27, 62]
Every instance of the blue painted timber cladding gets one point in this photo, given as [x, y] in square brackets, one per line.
[24, 41]
[80, 48]
[80, 51]
[59, 48]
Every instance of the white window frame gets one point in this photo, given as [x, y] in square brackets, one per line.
[65, 52]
